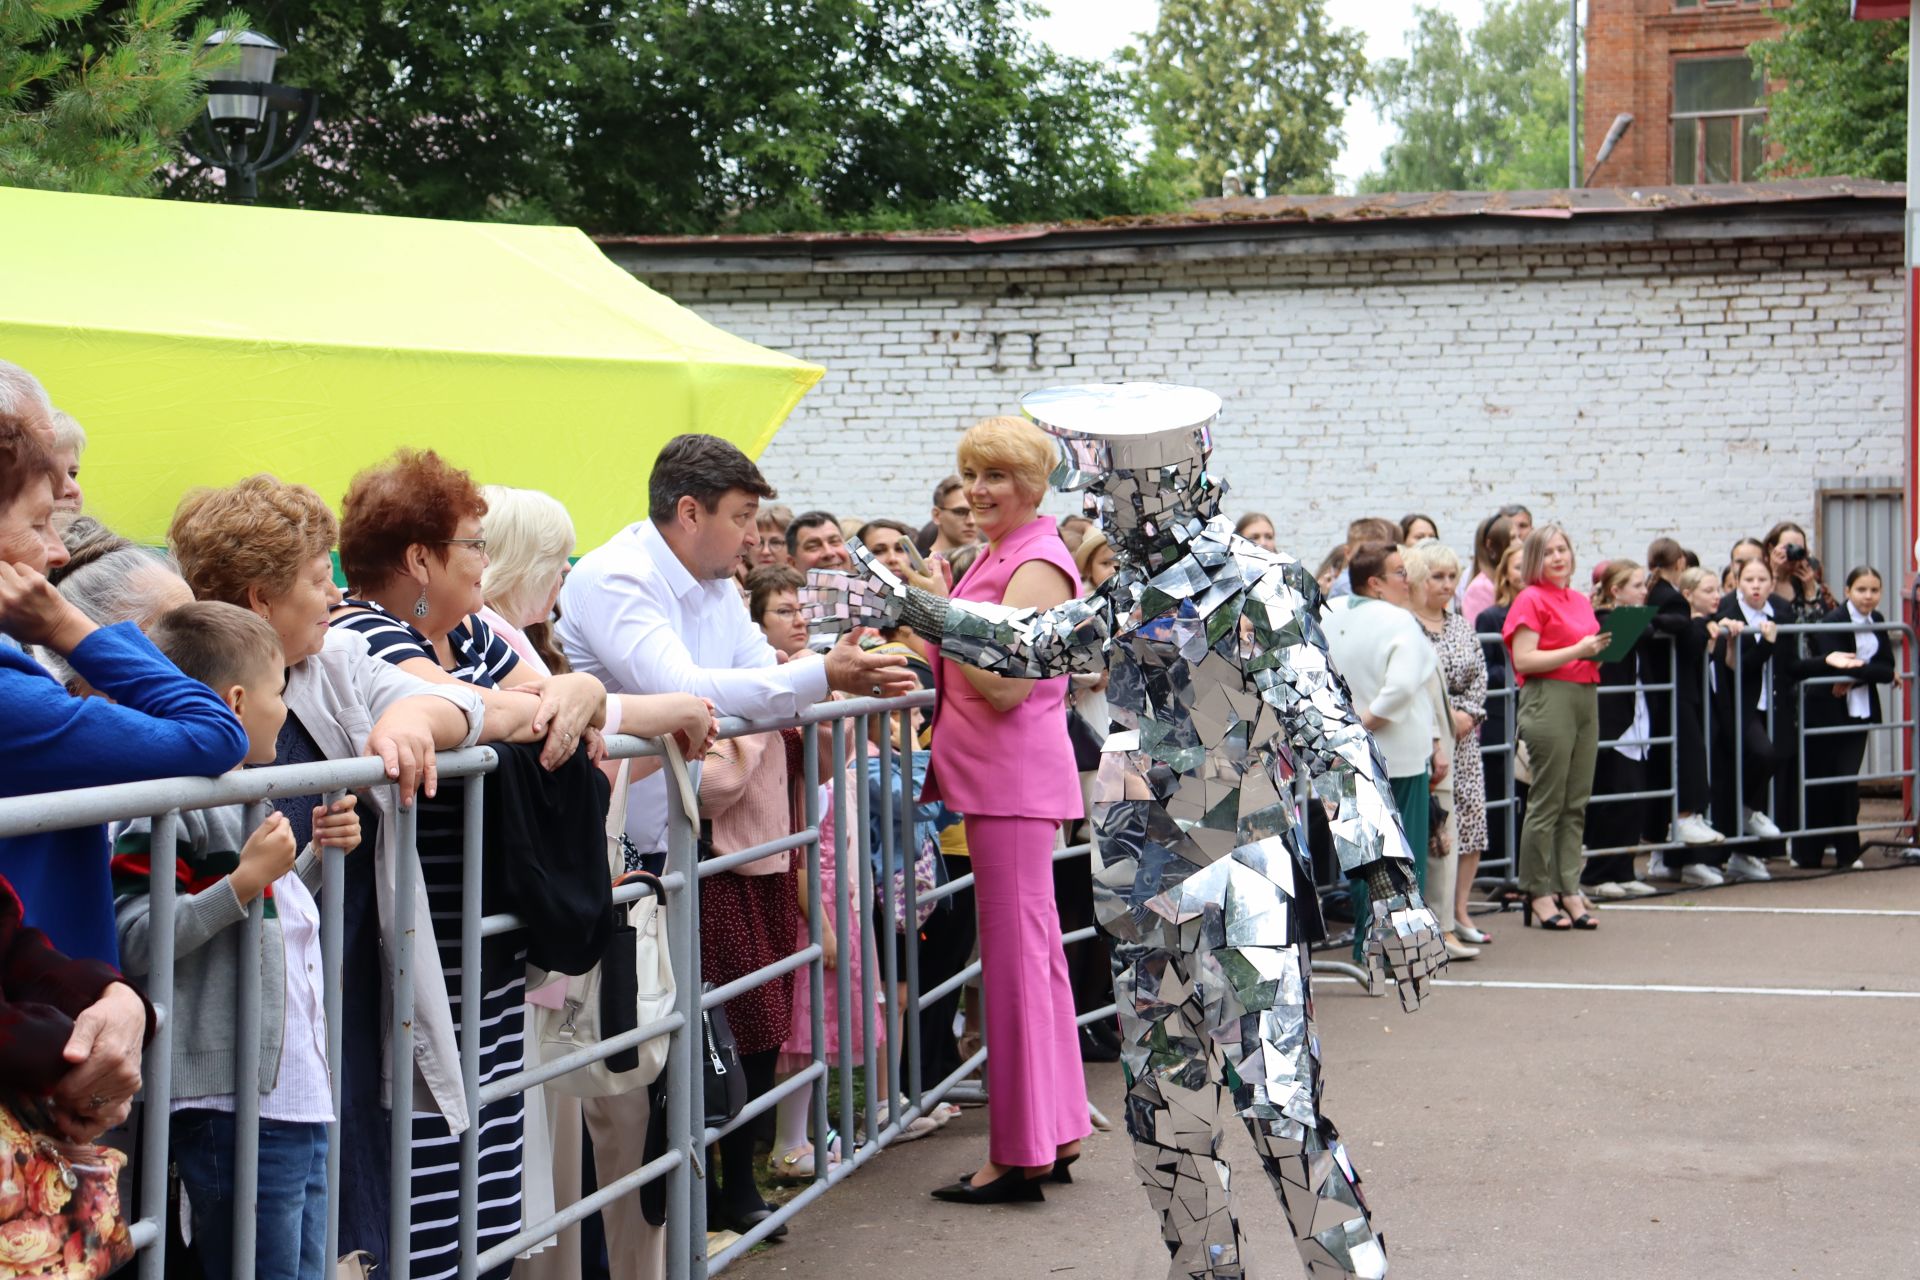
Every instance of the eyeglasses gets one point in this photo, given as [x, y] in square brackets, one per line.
[956, 511]
[478, 544]
[785, 611]
[1398, 573]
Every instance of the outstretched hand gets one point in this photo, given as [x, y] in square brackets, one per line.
[1405, 944]
[835, 602]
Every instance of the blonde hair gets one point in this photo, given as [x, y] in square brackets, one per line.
[1533, 555]
[1013, 445]
[1691, 579]
[1425, 556]
[529, 537]
[68, 433]
[1503, 590]
[1612, 578]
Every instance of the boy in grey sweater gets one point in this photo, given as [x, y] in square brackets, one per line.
[220, 870]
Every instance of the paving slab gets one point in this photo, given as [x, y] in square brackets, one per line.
[1561, 1128]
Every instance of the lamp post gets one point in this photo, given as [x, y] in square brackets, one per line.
[251, 124]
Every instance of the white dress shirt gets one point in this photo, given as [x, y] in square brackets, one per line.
[632, 615]
[1756, 618]
[1866, 645]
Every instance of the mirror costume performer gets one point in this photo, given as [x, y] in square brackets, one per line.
[1222, 693]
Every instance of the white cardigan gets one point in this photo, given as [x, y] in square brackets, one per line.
[338, 694]
[1387, 660]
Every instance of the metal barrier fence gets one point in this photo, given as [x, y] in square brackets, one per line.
[894, 1076]
[1732, 756]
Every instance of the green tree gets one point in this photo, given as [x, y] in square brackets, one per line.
[705, 115]
[1484, 110]
[97, 103]
[1836, 93]
[1252, 87]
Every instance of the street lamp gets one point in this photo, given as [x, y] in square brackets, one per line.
[1621, 123]
[251, 124]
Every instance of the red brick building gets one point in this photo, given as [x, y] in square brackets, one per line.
[1681, 68]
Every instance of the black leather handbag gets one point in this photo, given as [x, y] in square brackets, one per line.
[723, 1078]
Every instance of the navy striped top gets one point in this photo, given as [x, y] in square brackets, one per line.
[479, 656]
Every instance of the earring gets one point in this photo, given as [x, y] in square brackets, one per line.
[420, 605]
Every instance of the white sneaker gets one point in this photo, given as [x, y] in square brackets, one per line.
[1693, 829]
[1638, 888]
[1744, 866]
[1657, 867]
[1759, 824]
[1855, 865]
[1702, 875]
[1607, 889]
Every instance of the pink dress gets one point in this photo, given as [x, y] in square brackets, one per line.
[797, 1052]
[1012, 774]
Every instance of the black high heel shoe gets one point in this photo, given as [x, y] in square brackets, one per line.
[1011, 1187]
[1583, 923]
[1063, 1169]
[1558, 922]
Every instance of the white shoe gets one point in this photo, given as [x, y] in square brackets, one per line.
[1608, 889]
[1744, 866]
[1657, 867]
[1693, 829]
[1702, 875]
[1638, 888]
[1855, 865]
[1457, 950]
[1759, 824]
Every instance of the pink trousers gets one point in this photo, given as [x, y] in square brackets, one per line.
[1036, 1091]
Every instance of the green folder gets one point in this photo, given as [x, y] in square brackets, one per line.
[1625, 625]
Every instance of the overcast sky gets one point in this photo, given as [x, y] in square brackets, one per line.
[1096, 28]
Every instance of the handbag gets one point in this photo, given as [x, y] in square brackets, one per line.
[631, 986]
[60, 1210]
[926, 873]
[723, 1078]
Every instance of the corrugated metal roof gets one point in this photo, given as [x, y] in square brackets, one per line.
[1210, 216]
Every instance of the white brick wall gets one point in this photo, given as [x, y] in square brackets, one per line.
[1697, 390]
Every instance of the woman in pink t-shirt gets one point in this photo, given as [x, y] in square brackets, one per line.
[1554, 638]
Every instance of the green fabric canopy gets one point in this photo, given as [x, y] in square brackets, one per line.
[198, 343]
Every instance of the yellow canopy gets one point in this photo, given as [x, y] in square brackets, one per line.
[198, 343]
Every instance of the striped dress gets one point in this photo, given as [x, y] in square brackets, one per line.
[479, 658]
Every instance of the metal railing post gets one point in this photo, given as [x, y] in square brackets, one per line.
[686, 1093]
[246, 1077]
[817, 969]
[864, 957]
[471, 857]
[880, 905]
[1673, 736]
[913, 1063]
[157, 1065]
[842, 896]
[333, 892]
[400, 1045]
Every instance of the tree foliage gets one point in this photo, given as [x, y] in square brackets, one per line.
[97, 103]
[1836, 93]
[1257, 88]
[686, 116]
[1482, 110]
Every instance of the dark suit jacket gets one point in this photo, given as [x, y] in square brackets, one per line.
[1823, 709]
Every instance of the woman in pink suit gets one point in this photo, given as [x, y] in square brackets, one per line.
[1002, 758]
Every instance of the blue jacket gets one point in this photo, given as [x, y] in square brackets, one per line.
[930, 817]
[158, 724]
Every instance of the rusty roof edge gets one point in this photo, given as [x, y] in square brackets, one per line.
[1206, 218]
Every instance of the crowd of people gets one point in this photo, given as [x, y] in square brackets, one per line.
[464, 618]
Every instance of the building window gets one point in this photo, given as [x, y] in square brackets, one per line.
[1716, 120]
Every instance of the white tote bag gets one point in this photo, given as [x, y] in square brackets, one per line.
[580, 1018]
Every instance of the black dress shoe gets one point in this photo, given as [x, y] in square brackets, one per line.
[747, 1221]
[1011, 1187]
[1063, 1169]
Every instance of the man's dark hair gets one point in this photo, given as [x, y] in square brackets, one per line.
[220, 645]
[703, 468]
[804, 521]
[945, 487]
[1368, 561]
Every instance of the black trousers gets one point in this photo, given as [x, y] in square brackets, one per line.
[1836, 804]
[1089, 963]
[1613, 823]
[946, 940]
[1762, 764]
[735, 1186]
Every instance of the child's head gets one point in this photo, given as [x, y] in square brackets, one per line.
[1619, 582]
[1756, 582]
[236, 653]
[1702, 590]
[1863, 589]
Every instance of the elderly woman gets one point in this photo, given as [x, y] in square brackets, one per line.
[1554, 637]
[159, 724]
[530, 540]
[1002, 757]
[1433, 572]
[412, 549]
[127, 584]
[264, 545]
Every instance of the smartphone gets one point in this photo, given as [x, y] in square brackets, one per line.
[913, 555]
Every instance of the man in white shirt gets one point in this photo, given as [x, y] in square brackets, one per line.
[655, 610]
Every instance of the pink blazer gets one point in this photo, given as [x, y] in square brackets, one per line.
[1018, 764]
